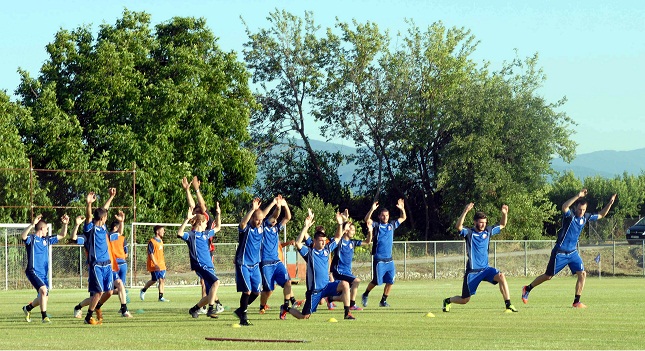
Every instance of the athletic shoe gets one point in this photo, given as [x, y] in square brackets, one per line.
[78, 313]
[99, 315]
[202, 310]
[142, 295]
[511, 308]
[27, 314]
[245, 323]
[355, 308]
[92, 321]
[126, 314]
[446, 306]
[219, 308]
[299, 303]
[384, 304]
[283, 312]
[331, 306]
[163, 299]
[525, 295]
[46, 320]
[262, 310]
[240, 314]
[579, 305]
[350, 317]
[193, 313]
[211, 314]
[364, 300]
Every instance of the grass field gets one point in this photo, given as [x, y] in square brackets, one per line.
[614, 320]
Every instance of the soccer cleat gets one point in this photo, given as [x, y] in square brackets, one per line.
[99, 315]
[355, 308]
[350, 317]
[46, 320]
[219, 308]
[142, 295]
[446, 306]
[262, 310]
[364, 300]
[77, 313]
[163, 299]
[283, 312]
[211, 314]
[510, 309]
[299, 303]
[193, 313]
[27, 314]
[384, 304]
[126, 314]
[245, 323]
[202, 310]
[525, 295]
[579, 305]
[330, 305]
[91, 321]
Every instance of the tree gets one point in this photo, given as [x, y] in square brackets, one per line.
[168, 102]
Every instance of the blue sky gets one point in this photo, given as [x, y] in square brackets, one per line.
[593, 52]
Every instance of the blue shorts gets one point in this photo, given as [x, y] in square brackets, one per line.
[344, 277]
[37, 281]
[154, 276]
[248, 278]
[560, 259]
[383, 271]
[123, 270]
[273, 272]
[100, 278]
[208, 274]
[473, 278]
[312, 298]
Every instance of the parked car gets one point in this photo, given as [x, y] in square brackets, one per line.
[636, 233]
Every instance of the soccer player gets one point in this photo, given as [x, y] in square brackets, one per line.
[341, 263]
[271, 267]
[383, 270]
[119, 263]
[318, 284]
[247, 260]
[37, 270]
[198, 239]
[156, 264]
[477, 268]
[98, 254]
[565, 251]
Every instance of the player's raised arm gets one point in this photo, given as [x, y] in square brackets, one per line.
[112, 193]
[200, 199]
[91, 197]
[217, 224]
[276, 213]
[31, 225]
[341, 227]
[370, 230]
[189, 216]
[287, 213]
[245, 220]
[77, 223]
[504, 220]
[189, 198]
[63, 229]
[568, 203]
[372, 209]
[401, 206]
[607, 207]
[462, 218]
[304, 235]
[120, 217]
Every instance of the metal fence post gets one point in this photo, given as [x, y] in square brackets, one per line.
[405, 260]
[434, 273]
[613, 266]
[80, 266]
[495, 254]
[526, 258]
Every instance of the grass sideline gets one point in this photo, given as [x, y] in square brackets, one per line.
[612, 321]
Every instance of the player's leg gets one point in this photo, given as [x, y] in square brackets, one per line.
[243, 284]
[551, 270]
[500, 279]
[373, 283]
[388, 275]
[149, 283]
[162, 285]
[575, 264]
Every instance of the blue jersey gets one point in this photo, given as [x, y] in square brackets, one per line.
[199, 248]
[271, 241]
[38, 253]
[341, 263]
[96, 244]
[249, 243]
[571, 228]
[477, 245]
[383, 239]
[317, 265]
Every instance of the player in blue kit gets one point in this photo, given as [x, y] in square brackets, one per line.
[247, 259]
[565, 252]
[318, 284]
[383, 270]
[98, 254]
[198, 240]
[341, 263]
[477, 268]
[37, 270]
[271, 267]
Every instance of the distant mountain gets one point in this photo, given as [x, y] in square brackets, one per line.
[606, 164]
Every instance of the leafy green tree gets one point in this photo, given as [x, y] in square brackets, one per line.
[166, 102]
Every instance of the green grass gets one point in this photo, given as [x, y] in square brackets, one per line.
[613, 320]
